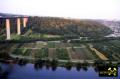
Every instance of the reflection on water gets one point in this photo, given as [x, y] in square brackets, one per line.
[31, 71]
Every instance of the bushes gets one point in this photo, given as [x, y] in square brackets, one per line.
[23, 52]
[42, 53]
[39, 64]
[17, 51]
[69, 65]
[62, 54]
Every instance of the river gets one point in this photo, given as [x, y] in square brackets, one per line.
[28, 71]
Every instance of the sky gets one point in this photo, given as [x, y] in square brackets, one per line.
[81, 9]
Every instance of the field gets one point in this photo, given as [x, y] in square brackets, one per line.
[83, 53]
[51, 50]
[62, 54]
[65, 51]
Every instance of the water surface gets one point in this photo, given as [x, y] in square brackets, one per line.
[28, 71]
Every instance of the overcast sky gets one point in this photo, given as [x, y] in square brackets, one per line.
[83, 9]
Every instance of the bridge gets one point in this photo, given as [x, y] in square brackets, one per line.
[7, 24]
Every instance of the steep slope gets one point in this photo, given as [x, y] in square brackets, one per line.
[55, 25]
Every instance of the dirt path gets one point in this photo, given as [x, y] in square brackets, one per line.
[103, 57]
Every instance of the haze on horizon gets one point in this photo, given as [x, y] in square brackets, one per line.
[81, 9]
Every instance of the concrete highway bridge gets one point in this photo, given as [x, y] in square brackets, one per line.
[18, 18]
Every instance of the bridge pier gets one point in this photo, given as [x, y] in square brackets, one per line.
[25, 21]
[8, 29]
[18, 26]
[7, 24]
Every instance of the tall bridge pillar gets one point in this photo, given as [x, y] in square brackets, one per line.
[25, 21]
[18, 26]
[8, 29]
[7, 24]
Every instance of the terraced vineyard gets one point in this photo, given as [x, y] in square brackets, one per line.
[41, 53]
[66, 51]
[62, 54]
[62, 51]
[83, 53]
[23, 52]
[52, 53]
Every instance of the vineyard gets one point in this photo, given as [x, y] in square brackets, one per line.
[64, 51]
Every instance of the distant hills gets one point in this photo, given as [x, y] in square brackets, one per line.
[63, 26]
[7, 15]
[110, 24]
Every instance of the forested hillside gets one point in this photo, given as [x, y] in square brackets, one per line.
[54, 25]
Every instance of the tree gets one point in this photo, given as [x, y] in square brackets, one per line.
[68, 65]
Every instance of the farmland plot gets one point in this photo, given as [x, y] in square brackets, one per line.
[52, 53]
[23, 52]
[76, 44]
[42, 53]
[62, 54]
[84, 54]
[40, 44]
[51, 45]
[28, 45]
[67, 44]
[72, 54]
[57, 45]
